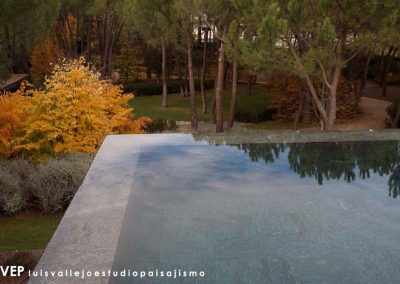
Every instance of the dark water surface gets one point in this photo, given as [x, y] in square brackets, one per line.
[265, 213]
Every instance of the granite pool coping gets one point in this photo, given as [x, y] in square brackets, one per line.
[88, 234]
[298, 136]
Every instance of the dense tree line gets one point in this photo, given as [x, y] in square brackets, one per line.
[319, 41]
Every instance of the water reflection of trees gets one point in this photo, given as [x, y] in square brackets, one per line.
[339, 161]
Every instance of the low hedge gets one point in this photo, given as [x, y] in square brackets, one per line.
[252, 111]
[255, 115]
[159, 125]
[154, 88]
[49, 186]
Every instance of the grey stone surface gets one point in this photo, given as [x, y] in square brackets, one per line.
[298, 136]
[88, 234]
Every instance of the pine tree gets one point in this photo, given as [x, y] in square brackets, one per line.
[311, 39]
[187, 13]
[221, 14]
[153, 20]
[127, 60]
[24, 24]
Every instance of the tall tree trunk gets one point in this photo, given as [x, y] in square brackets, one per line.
[307, 107]
[213, 100]
[89, 21]
[250, 82]
[191, 85]
[108, 32]
[199, 27]
[212, 110]
[332, 96]
[299, 111]
[304, 104]
[384, 66]
[71, 49]
[117, 29]
[363, 84]
[199, 31]
[381, 63]
[233, 107]
[106, 37]
[336, 81]
[323, 116]
[186, 76]
[179, 66]
[203, 74]
[219, 110]
[148, 73]
[386, 71]
[77, 31]
[226, 72]
[164, 73]
[147, 51]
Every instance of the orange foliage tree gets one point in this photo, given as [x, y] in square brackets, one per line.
[12, 120]
[43, 56]
[73, 112]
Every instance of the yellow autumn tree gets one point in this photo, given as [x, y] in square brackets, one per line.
[13, 117]
[75, 110]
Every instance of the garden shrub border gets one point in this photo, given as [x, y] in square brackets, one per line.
[48, 186]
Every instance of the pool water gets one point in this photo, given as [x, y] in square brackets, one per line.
[265, 213]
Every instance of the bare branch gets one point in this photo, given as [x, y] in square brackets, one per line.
[354, 55]
[324, 75]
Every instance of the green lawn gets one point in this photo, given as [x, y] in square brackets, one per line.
[26, 233]
[178, 106]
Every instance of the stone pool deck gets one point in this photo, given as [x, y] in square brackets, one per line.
[88, 234]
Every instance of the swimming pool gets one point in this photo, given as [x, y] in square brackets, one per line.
[315, 212]
[308, 213]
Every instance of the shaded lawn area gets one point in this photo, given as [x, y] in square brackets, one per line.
[27, 232]
[179, 108]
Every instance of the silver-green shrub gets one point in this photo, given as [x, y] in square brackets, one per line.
[49, 186]
[59, 179]
[16, 176]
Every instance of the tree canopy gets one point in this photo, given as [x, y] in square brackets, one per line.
[325, 44]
